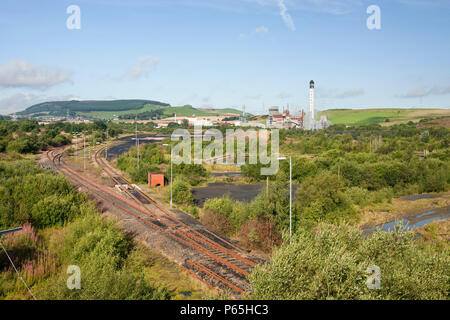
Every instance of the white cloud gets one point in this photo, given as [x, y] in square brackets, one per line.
[143, 67]
[351, 93]
[285, 15]
[21, 101]
[15, 74]
[423, 91]
[283, 95]
[257, 96]
[260, 31]
[242, 36]
[332, 93]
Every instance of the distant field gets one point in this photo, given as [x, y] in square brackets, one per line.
[187, 111]
[183, 111]
[374, 116]
[108, 115]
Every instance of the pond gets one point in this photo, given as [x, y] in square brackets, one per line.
[414, 222]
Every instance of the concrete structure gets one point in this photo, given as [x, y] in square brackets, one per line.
[284, 120]
[311, 98]
[243, 118]
[306, 121]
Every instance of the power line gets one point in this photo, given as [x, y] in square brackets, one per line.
[17, 271]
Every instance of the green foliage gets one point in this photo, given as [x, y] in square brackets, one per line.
[358, 196]
[101, 251]
[330, 262]
[182, 192]
[54, 210]
[323, 198]
[258, 223]
[32, 194]
[193, 173]
[147, 115]
[151, 156]
[98, 247]
[252, 171]
[25, 136]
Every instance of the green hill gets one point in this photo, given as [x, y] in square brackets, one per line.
[382, 116]
[88, 106]
[95, 109]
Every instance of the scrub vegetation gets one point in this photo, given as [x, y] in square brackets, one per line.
[61, 227]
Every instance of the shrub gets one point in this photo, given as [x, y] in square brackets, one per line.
[54, 210]
[322, 198]
[219, 222]
[30, 194]
[260, 234]
[385, 194]
[100, 249]
[330, 262]
[358, 196]
[222, 205]
[181, 192]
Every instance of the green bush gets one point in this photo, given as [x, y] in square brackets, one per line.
[358, 196]
[181, 192]
[330, 262]
[54, 210]
[323, 198]
[101, 250]
[30, 194]
[385, 194]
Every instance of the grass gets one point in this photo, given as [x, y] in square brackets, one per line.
[108, 115]
[437, 231]
[182, 111]
[186, 111]
[379, 116]
[161, 272]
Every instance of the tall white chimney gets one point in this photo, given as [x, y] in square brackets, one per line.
[311, 99]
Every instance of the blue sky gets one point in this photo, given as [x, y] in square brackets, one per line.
[226, 53]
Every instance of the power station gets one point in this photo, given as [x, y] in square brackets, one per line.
[302, 120]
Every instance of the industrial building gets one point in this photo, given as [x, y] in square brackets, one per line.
[302, 120]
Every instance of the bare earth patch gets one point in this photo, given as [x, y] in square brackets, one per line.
[399, 209]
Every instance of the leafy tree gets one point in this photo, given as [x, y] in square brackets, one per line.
[322, 198]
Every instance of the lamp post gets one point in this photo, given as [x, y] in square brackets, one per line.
[84, 151]
[106, 150]
[171, 176]
[290, 195]
[137, 141]
[76, 143]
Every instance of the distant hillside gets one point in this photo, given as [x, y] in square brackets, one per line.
[94, 109]
[382, 116]
[89, 106]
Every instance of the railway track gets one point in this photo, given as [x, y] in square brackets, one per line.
[218, 263]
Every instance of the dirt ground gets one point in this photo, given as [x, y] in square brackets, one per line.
[400, 208]
[438, 123]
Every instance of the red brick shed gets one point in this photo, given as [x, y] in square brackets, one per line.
[156, 179]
